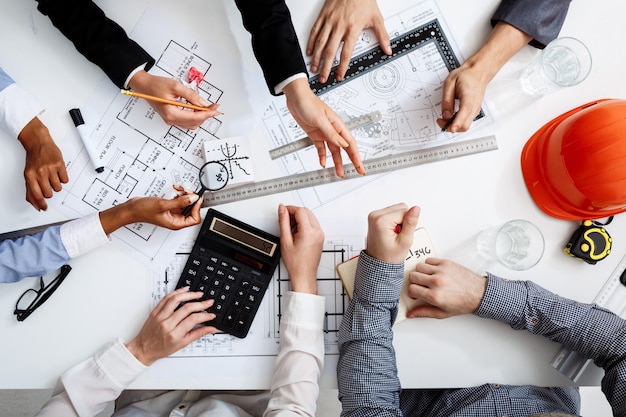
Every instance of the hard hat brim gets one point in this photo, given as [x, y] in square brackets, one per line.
[531, 161]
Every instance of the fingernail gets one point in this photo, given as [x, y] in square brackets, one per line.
[204, 102]
[193, 198]
[447, 114]
[343, 143]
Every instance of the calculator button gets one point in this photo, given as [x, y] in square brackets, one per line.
[242, 321]
[229, 318]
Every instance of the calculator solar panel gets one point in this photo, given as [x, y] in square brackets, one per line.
[232, 263]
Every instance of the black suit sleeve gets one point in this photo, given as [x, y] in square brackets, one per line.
[98, 38]
[274, 40]
[541, 19]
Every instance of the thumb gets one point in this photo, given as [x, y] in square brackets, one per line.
[180, 202]
[409, 222]
[284, 224]
[331, 129]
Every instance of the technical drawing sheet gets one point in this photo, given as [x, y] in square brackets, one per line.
[407, 91]
[142, 155]
[263, 338]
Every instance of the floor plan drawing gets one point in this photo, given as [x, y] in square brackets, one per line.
[144, 156]
[263, 338]
[406, 88]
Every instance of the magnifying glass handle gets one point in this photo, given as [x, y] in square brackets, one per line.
[185, 212]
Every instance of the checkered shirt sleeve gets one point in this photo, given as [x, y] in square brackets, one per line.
[366, 372]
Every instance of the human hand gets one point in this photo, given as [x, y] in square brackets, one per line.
[168, 88]
[154, 210]
[322, 125]
[343, 21]
[383, 242]
[168, 329]
[448, 288]
[467, 84]
[44, 170]
[301, 241]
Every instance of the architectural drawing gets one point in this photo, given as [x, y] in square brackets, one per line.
[142, 155]
[406, 89]
[263, 338]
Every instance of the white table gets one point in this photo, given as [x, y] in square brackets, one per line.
[106, 296]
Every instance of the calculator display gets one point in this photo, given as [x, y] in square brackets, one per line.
[242, 236]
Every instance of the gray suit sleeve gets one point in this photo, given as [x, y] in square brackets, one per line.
[541, 19]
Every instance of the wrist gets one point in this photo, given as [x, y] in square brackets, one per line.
[33, 135]
[297, 87]
[118, 216]
[304, 284]
[135, 348]
[138, 80]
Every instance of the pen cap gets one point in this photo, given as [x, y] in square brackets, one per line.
[77, 117]
[575, 165]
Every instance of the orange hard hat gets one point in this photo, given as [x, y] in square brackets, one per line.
[575, 165]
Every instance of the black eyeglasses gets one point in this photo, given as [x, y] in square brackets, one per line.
[31, 299]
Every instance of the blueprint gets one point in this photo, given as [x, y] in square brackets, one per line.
[407, 91]
[142, 155]
[263, 337]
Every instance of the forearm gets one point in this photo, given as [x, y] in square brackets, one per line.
[366, 372]
[295, 379]
[504, 41]
[274, 39]
[17, 109]
[88, 387]
[592, 331]
[98, 38]
[540, 19]
[119, 216]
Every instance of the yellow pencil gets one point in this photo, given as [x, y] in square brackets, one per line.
[164, 100]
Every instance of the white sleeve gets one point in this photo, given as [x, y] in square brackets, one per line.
[295, 380]
[83, 235]
[87, 388]
[17, 108]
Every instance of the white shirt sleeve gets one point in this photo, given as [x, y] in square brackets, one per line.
[83, 235]
[88, 387]
[295, 380]
[132, 74]
[17, 108]
[279, 88]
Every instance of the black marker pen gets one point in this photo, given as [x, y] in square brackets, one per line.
[77, 118]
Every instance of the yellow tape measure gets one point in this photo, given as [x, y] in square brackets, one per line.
[590, 242]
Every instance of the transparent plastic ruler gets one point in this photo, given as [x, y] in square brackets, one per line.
[305, 142]
[372, 167]
[613, 297]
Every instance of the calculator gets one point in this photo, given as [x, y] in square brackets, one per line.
[232, 263]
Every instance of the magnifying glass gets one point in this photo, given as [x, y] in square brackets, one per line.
[213, 176]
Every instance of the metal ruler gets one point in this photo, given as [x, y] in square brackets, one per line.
[613, 297]
[372, 167]
[28, 231]
[305, 142]
[400, 46]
